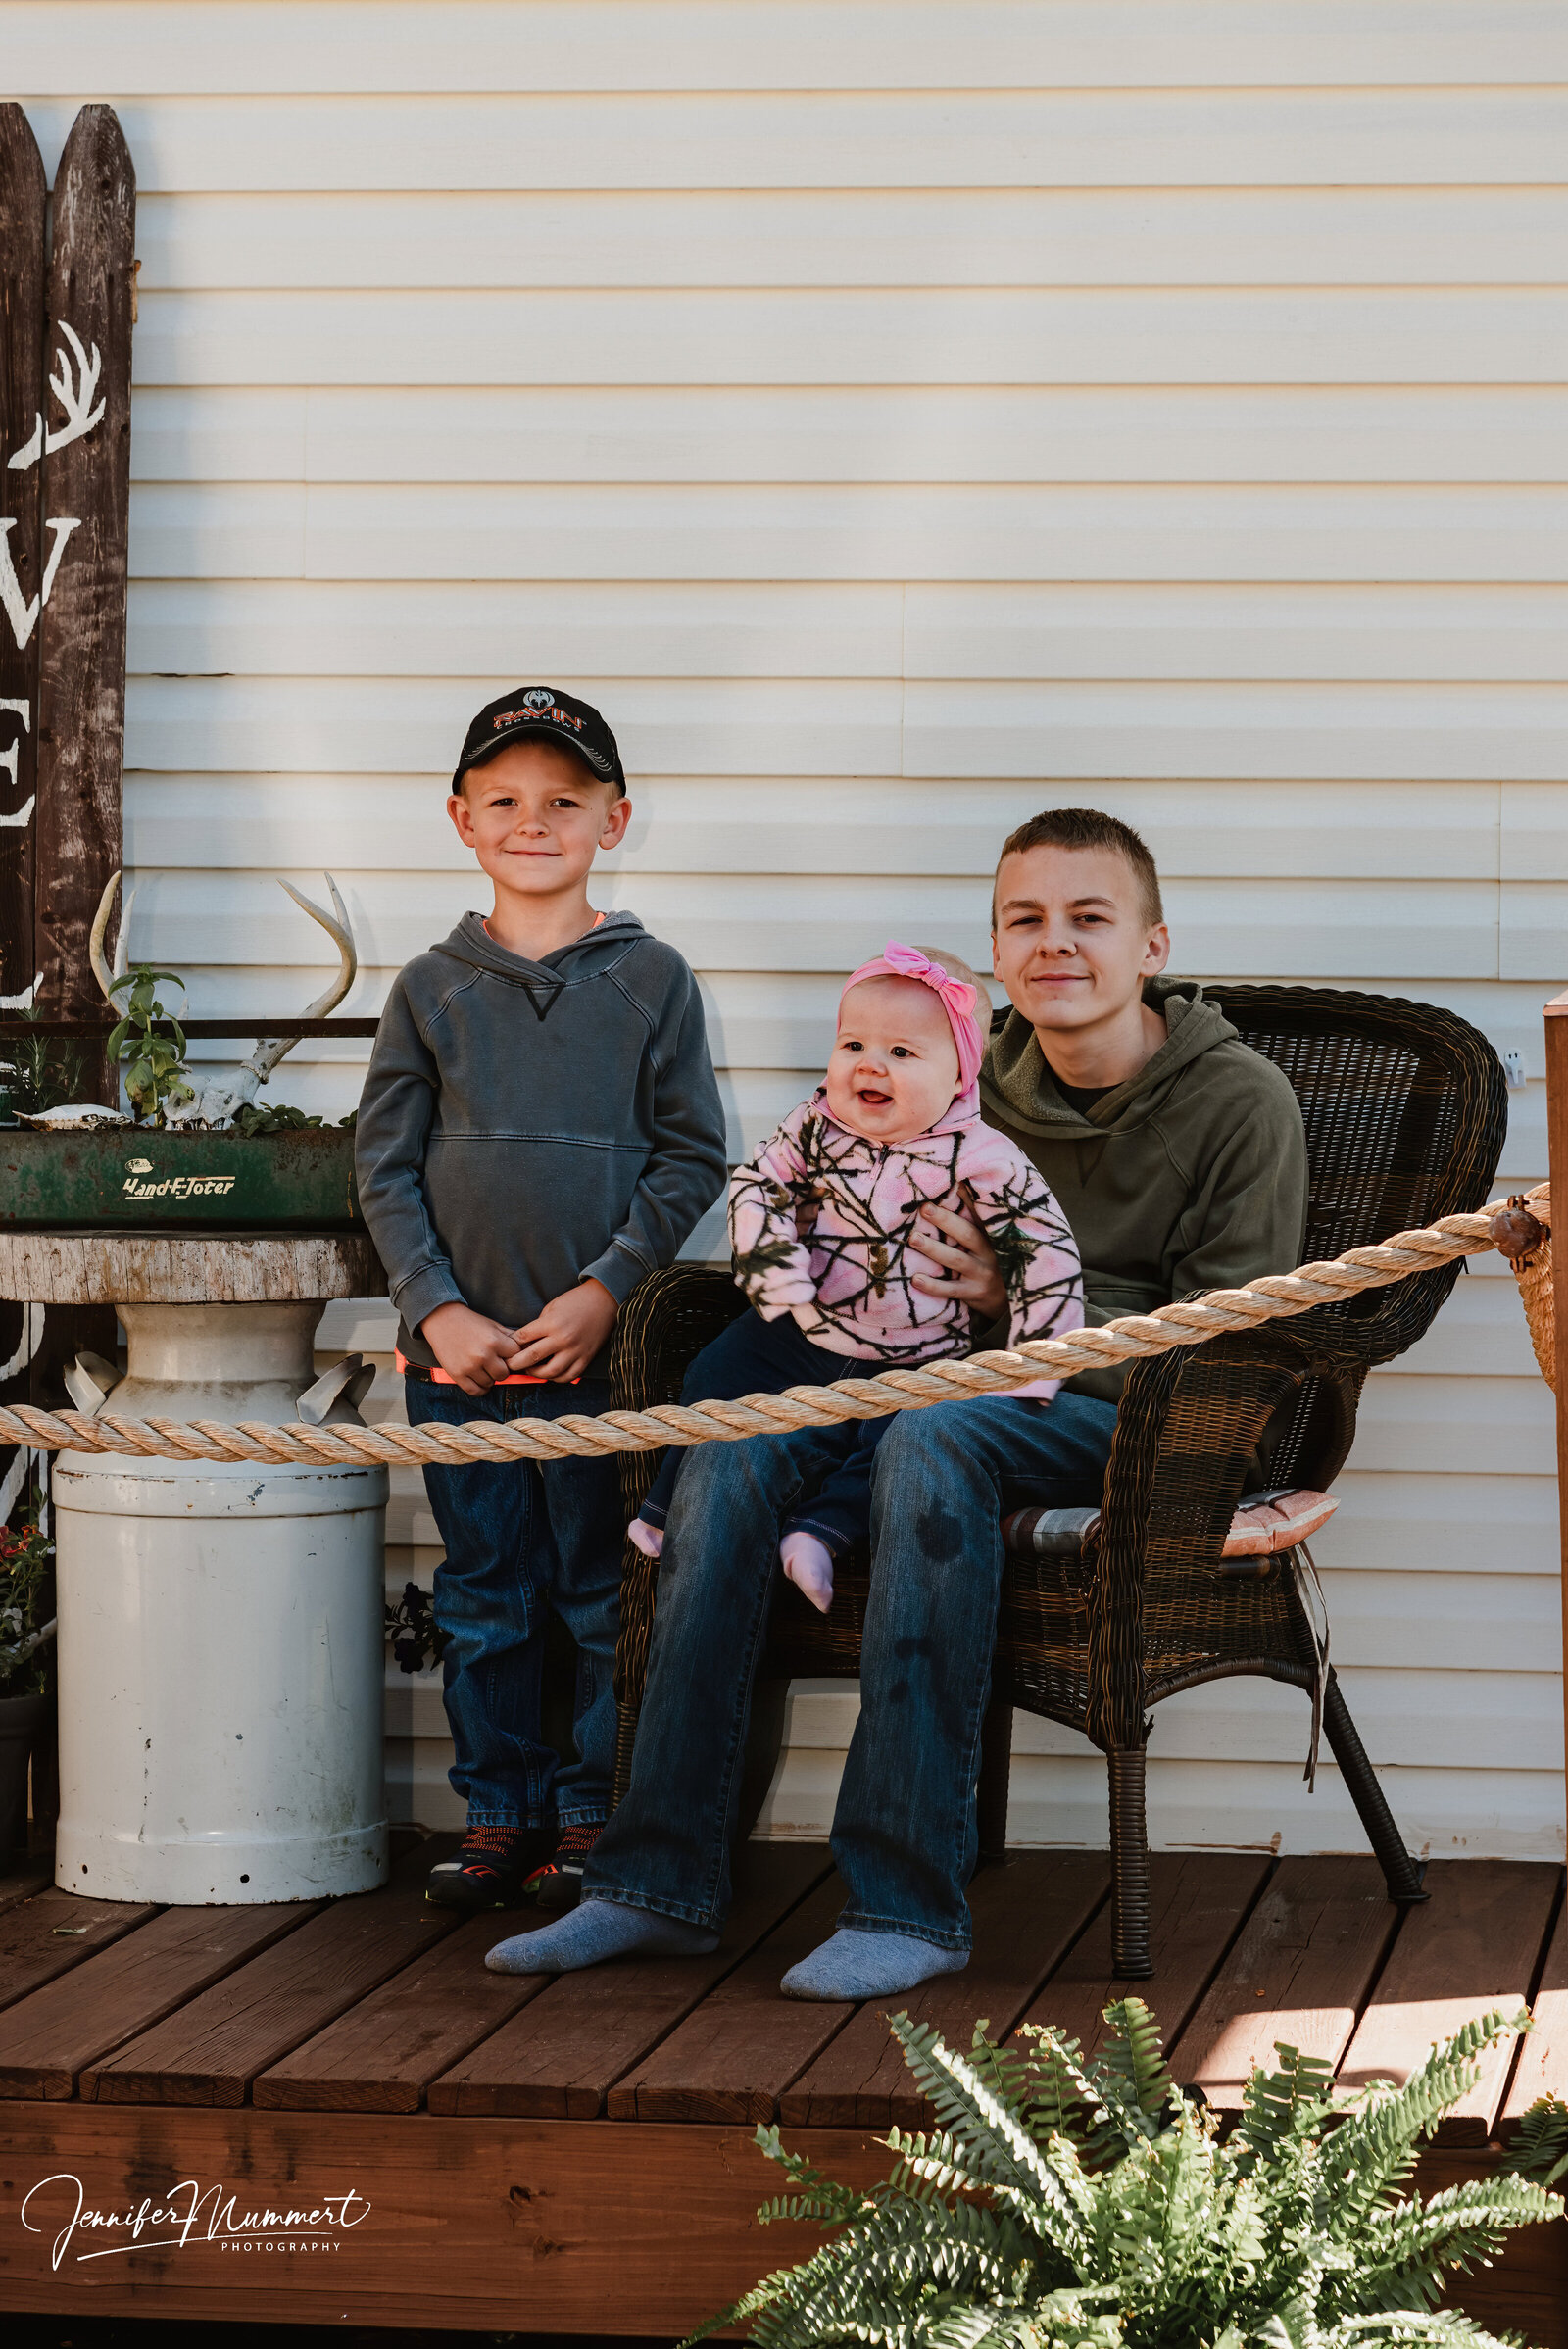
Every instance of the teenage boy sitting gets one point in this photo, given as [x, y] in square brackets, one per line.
[1179, 1158]
[539, 1129]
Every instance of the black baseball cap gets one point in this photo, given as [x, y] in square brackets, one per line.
[533, 712]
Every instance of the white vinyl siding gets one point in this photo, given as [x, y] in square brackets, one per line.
[898, 417]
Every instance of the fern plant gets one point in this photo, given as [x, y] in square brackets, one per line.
[42, 1073]
[1094, 2206]
[1541, 2149]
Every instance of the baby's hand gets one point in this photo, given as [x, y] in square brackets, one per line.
[649, 1539]
[563, 1340]
[809, 1564]
[474, 1349]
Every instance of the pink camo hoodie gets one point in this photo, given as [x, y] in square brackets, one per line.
[819, 1223]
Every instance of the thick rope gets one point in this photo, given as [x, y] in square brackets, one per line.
[1128, 1339]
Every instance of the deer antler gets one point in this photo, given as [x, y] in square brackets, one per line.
[76, 397]
[102, 970]
[74, 394]
[30, 454]
[95, 944]
[266, 1056]
[122, 942]
[224, 1095]
[341, 933]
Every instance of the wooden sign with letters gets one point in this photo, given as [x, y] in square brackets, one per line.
[24, 198]
[66, 301]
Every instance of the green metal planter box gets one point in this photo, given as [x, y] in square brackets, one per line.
[143, 1175]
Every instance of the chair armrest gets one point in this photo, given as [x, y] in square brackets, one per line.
[1187, 1433]
[664, 1323]
[1381, 1323]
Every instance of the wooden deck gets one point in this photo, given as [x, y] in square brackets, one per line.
[572, 2155]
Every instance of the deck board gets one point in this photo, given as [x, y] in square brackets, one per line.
[381, 2056]
[587, 2227]
[1199, 1902]
[52, 1932]
[1025, 1916]
[1543, 2066]
[379, 2004]
[24, 1884]
[1475, 1944]
[48, 2039]
[1249, 1949]
[1300, 1974]
[560, 2058]
[733, 2058]
[209, 2051]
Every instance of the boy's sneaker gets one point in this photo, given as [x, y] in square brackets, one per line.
[558, 1884]
[489, 1869]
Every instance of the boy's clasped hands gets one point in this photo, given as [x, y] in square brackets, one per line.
[558, 1344]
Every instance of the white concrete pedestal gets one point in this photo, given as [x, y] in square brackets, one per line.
[221, 1633]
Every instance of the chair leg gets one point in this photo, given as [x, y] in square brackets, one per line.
[996, 1771]
[1401, 1873]
[1129, 1865]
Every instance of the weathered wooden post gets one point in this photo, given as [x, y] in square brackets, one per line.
[23, 200]
[1557, 1167]
[66, 312]
[87, 505]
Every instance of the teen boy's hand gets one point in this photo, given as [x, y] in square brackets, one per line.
[566, 1337]
[473, 1347]
[966, 1257]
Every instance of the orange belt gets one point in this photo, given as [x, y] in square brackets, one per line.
[444, 1378]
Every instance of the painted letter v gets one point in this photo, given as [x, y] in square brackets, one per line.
[23, 618]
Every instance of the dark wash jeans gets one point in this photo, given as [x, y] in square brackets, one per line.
[904, 1834]
[520, 1538]
[753, 1356]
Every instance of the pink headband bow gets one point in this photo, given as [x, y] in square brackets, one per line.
[958, 999]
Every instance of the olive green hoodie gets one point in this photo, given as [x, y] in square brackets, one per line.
[1192, 1175]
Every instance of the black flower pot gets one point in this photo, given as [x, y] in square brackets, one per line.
[25, 1724]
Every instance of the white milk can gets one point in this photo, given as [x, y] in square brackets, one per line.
[221, 1633]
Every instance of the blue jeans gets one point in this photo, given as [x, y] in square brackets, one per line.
[519, 1540]
[753, 1356]
[904, 1834]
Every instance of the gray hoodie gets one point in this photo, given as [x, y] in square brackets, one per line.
[524, 1125]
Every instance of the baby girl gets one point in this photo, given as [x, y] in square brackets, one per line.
[821, 1223]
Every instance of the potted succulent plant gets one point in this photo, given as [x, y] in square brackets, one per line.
[26, 1666]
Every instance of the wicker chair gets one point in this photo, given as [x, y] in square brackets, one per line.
[1406, 1108]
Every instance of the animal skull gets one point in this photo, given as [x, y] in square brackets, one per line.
[221, 1096]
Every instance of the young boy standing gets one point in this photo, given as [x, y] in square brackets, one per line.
[540, 1128]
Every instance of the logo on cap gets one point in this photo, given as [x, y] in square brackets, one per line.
[540, 710]
[546, 709]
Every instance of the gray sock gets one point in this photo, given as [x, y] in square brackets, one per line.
[857, 1965]
[597, 1930]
